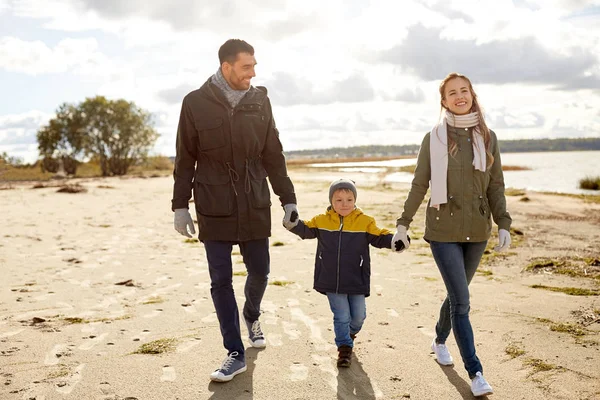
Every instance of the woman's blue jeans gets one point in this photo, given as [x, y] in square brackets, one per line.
[349, 313]
[457, 263]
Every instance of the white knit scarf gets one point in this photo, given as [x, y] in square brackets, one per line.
[438, 151]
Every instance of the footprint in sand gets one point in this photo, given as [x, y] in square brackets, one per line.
[187, 346]
[274, 339]
[293, 302]
[66, 385]
[145, 332]
[212, 317]
[54, 355]
[189, 308]
[299, 372]
[11, 333]
[168, 374]
[325, 364]
[270, 320]
[106, 389]
[153, 314]
[290, 329]
[315, 332]
[426, 331]
[92, 342]
[392, 313]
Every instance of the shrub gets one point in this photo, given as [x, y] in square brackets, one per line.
[590, 183]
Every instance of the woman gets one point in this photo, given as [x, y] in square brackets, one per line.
[461, 159]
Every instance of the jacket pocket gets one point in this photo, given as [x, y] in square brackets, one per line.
[326, 276]
[441, 221]
[260, 196]
[210, 133]
[213, 195]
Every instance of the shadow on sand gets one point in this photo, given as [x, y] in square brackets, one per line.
[241, 386]
[463, 387]
[354, 383]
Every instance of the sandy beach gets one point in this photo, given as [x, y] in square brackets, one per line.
[100, 298]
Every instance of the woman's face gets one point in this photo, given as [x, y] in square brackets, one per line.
[457, 96]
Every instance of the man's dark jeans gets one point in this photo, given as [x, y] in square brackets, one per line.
[256, 257]
[457, 263]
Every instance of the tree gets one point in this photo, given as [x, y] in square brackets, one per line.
[115, 132]
[118, 133]
[62, 139]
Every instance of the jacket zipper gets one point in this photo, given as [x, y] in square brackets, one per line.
[337, 285]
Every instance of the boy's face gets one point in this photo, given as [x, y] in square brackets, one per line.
[343, 202]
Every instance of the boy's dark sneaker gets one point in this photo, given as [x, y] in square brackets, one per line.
[231, 367]
[344, 356]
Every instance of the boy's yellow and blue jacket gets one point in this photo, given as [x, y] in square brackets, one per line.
[342, 261]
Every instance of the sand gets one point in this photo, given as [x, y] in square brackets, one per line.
[88, 278]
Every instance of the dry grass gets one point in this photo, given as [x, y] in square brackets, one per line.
[157, 347]
[514, 351]
[154, 300]
[539, 365]
[74, 188]
[577, 267]
[568, 290]
[281, 283]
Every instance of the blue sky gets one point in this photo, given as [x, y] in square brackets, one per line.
[339, 73]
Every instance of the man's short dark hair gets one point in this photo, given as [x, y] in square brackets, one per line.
[231, 48]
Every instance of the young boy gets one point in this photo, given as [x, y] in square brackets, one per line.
[342, 262]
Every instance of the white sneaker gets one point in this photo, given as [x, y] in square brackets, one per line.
[442, 355]
[479, 386]
[257, 338]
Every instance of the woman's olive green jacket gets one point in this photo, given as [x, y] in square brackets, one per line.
[474, 197]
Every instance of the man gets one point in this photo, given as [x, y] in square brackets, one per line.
[227, 145]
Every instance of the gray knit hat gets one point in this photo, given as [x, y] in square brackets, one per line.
[342, 184]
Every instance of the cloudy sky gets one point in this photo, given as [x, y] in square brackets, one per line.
[339, 72]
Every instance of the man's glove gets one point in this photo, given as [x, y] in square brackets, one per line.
[183, 221]
[401, 240]
[290, 218]
[503, 240]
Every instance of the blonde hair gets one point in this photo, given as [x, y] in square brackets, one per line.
[482, 126]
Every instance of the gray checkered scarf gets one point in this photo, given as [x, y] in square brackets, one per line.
[233, 96]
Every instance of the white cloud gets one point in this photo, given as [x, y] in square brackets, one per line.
[35, 57]
[341, 72]
[18, 134]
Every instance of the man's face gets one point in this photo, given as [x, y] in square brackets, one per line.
[239, 74]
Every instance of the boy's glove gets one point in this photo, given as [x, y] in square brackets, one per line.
[401, 240]
[290, 218]
[503, 240]
[183, 221]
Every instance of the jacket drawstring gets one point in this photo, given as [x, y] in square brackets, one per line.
[233, 177]
[247, 186]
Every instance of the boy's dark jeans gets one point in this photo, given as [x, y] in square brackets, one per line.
[256, 257]
[457, 263]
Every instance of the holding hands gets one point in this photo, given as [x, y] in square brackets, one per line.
[290, 218]
[401, 240]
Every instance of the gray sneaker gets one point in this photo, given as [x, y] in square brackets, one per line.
[257, 338]
[230, 368]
